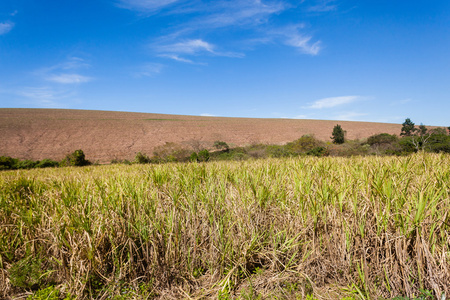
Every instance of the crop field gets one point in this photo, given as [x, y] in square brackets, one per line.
[292, 228]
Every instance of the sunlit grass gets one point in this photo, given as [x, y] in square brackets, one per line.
[368, 226]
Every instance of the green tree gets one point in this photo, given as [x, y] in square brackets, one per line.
[408, 128]
[77, 158]
[422, 130]
[338, 135]
[203, 155]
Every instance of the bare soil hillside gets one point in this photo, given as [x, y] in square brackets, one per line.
[105, 135]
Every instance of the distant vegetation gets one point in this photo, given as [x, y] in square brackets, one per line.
[410, 140]
[77, 159]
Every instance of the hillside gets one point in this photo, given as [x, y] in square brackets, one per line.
[104, 135]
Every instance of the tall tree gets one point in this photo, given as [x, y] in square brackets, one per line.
[408, 128]
[338, 135]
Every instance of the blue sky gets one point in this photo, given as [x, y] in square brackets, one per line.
[367, 60]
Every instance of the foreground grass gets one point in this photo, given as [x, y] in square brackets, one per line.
[363, 227]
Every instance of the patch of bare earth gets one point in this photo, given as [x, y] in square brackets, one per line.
[105, 135]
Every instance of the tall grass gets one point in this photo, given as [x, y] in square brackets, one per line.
[288, 228]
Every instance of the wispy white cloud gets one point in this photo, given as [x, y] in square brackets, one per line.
[187, 47]
[209, 18]
[68, 78]
[14, 13]
[333, 102]
[63, 72]
[6, 27]
[207, 115]
[145, 5]
[323, 6]
[237, 13]
[177, 58]
[292, 36]
[149, 70]
[191, 47]
[45, 96]
[304, 44]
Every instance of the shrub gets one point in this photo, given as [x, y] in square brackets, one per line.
[26, 164]
[203, 155]
[439, 143]
[47, 163]
[193, 157]
[303, 144]
[8, 163]
[77, 158]
[382, 139]
[318, 151]
[277, 151]
[239, 153]
[141, 158]
[406, 145]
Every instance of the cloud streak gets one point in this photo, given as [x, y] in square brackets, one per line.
[192, 47]
[69, 78]
[187, 47]
[304, 44]
[149, 70]
[45, 96]
[204, 21]
[6, 27]
[66, 72]
[333, 102]
[323, 6]
[145, 5]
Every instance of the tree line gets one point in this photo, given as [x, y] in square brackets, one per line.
[411, 139]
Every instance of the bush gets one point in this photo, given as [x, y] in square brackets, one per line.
[318, 151]
[350, 148]
[76, 159]
[302, 145]
[277, 151]
[8, 163]
[141, 158]
[203, 155]
[26, 164]
[382, 139]
[406, 145]
[439, 143]
[193, 157]
[47, 163]
[239, 153]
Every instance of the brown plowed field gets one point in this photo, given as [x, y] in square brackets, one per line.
[104, 135]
